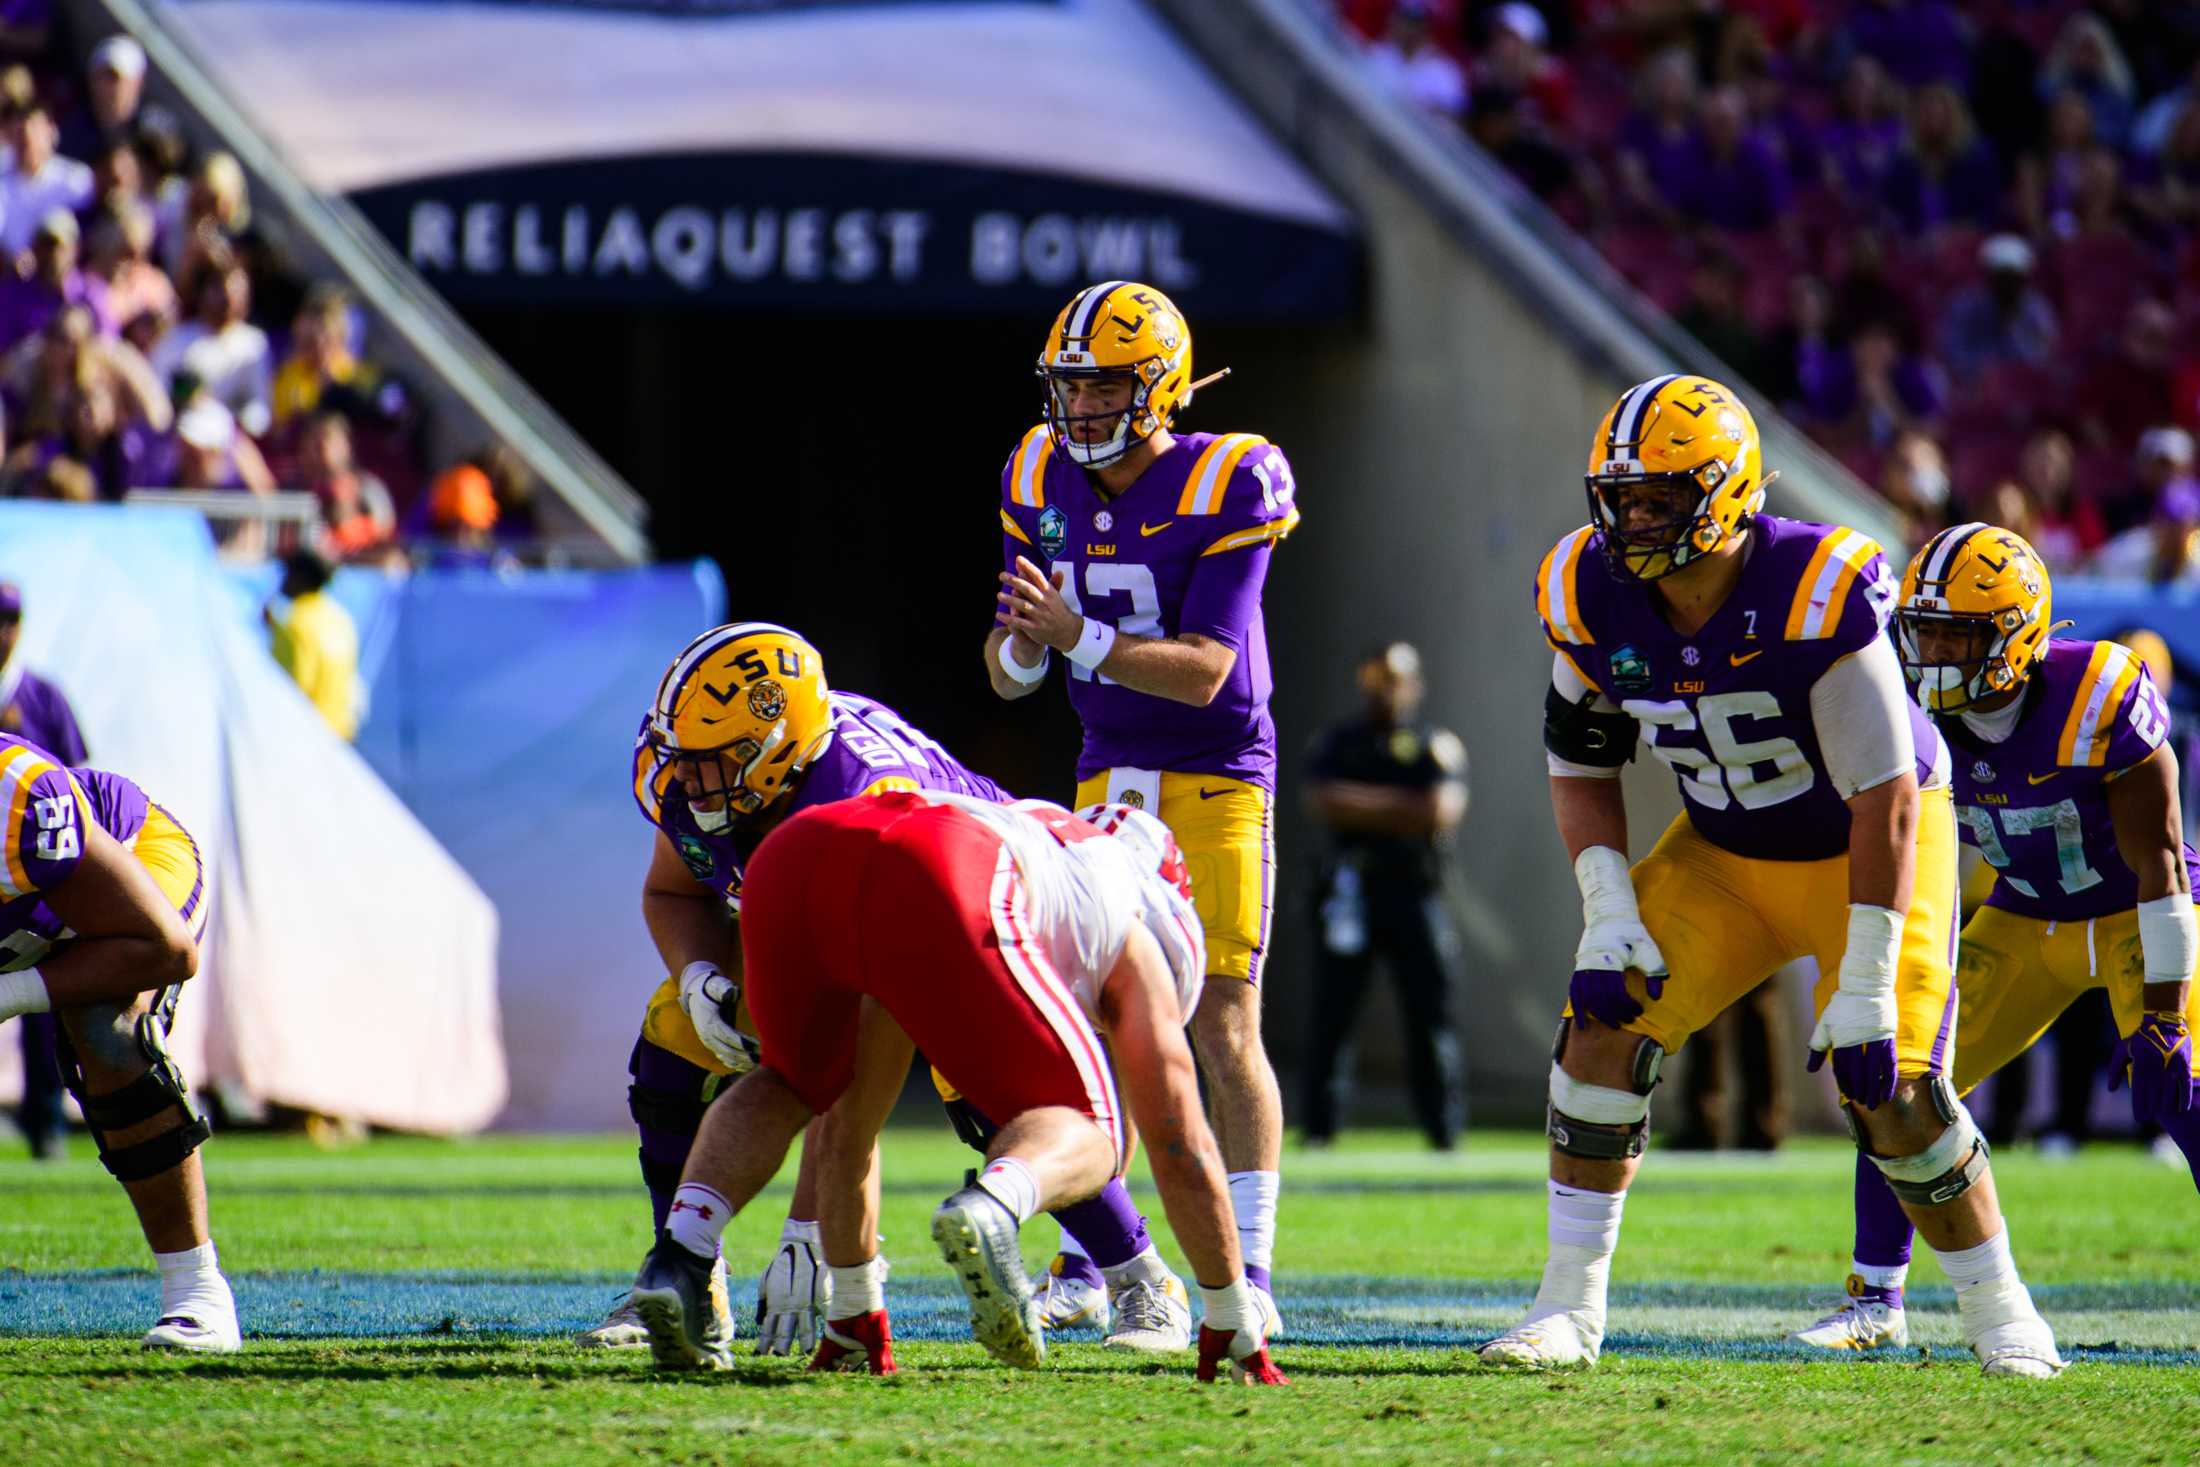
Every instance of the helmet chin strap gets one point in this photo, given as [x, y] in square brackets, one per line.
[1100, 455]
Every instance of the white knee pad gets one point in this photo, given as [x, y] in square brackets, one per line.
[1595, 1103]
[1943, 1171]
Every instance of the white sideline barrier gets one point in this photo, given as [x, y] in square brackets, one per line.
[351, 963]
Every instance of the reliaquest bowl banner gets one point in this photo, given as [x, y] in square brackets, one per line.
[806, 231]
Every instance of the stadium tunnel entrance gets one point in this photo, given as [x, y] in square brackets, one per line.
[845, 475]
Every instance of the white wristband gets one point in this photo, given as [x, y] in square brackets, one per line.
[2169, 938]
[1016, 671]
[1874, 947]
[1092, 646]
[797, 1231]
[699, 970]
[1606, 888]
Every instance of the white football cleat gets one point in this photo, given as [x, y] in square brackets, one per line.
[976, 1235]
[1555, 1340]
[2006, 1332]
[2022, 1347]
[622, 1328]
[1868, 1319]
[1066, 1303]
[205, 1324]
[1152, 1317]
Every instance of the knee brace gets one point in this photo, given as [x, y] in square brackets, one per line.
[669, 1094]
[118, 1040]
[1943, 1171]
[971, 1128]
[1597, 1123]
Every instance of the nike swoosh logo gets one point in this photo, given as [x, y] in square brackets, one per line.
[1146, 529]
[1737, 659]
[1207, 794]
[2040, 778]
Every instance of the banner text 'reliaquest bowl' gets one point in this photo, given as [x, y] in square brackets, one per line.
[808, 231]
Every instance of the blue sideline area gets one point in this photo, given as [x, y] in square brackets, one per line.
[502, 710]
[1674, 1321]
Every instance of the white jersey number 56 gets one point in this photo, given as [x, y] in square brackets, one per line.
[1733, 770]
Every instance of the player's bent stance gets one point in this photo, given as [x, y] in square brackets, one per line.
[1038, 960]
[1816, 822]
[2064, 783]
[105, 893]
[744, 732]
[1140, 555]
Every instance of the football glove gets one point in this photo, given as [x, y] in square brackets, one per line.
[711, 1000]
[2157, 1063]
[1613, 940]
[792, 1295]
[862, 1344]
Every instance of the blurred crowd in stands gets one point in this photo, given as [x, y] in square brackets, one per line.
[1960, 244]
[151, 339]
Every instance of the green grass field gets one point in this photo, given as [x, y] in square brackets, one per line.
[412, 1300]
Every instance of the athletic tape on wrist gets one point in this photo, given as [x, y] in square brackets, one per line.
[2169, 938]
[1874, 946]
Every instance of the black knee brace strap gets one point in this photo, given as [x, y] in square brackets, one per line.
[660, 1176]
[156, 1092]
[665, 1110]
[1593, 1142]
[971, 1128]
[1949, 1185]
[159, 1090]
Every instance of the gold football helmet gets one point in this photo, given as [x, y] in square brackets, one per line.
[1684, 451]
[1974, 616]
[740, 713]
[1119, 331]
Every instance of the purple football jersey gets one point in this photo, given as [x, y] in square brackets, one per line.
[2036, 804]
[1728, 709]
[48, 807]
[1183, 549]
[872, 748]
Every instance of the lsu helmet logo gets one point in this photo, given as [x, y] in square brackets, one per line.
[767, 700]
[1120, 333]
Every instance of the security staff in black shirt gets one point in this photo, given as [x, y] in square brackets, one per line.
[1391, 791]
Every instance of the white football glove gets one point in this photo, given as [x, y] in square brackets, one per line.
[792, 1295]
[1851, 1019]
[708, 996]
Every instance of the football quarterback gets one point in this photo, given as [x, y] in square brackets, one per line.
[1139, 555]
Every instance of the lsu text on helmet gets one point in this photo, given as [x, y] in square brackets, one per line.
[740, 713]
[1674, 471]
[1974, 617]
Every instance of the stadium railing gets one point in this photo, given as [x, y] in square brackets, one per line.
[476, 397]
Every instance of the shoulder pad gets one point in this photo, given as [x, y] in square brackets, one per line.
[1023, 477]
[2098, 699]
[1841, 560]
[46, 816]
[1557, 591]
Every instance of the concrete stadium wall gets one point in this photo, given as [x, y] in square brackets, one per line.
[1439, 455]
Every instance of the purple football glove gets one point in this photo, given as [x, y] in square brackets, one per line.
[1612, 943]
[1601, 994]
[2157, 1061]
[1865, 1072]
